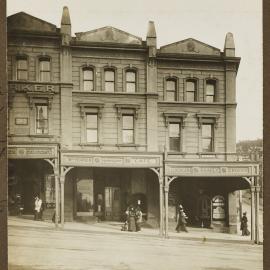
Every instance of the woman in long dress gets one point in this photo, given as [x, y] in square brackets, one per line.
[131, 219]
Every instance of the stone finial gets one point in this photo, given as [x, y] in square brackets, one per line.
[229, 47]
[65, 22]
[151, 39]
[151, 32]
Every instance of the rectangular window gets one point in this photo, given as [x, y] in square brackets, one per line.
[128, 129]
[171, 90]
[130, 81]
[191, 91]
[210, 91]
[44, 70]
[91, 128]
[42, 119]
[207, 138]
[109, 80]
[174, 136]
[22, 69]
[88, 80]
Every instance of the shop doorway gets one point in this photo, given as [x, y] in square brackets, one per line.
[112, 203]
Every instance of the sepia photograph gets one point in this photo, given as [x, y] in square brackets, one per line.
[134, 135]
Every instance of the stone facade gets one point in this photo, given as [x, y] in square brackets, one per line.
[126, 116]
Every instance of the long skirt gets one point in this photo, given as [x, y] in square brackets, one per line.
[131, 224]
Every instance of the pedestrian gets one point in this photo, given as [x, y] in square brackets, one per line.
[181, 220]
[41, 209]
[244, 225]
[38, 204]
[138, 218]
[131, 219]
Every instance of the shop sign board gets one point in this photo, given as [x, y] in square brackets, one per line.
[211, 170]
[110, 161]
[218, 208]
[28, 152]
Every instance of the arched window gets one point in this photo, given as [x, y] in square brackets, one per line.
[21, 68]
[210, 91]
[171, 89]
[88, 79]
[109, 82]
[44, 69]
[130, 81]
[191, 90]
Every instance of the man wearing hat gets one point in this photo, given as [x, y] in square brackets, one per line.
[244, 225]
[181, 220]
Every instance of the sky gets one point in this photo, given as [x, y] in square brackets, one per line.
[175, 20]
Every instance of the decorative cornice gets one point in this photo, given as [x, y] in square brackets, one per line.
[181, 116]
[120, 107]
[203, 116]
[86, 106]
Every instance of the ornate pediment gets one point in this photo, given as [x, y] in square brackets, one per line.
[190, 46]
[25, 22]
[108, 34]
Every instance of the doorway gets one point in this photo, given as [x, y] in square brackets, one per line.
[112, 203]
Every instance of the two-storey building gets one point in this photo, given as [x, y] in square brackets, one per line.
[105, 119]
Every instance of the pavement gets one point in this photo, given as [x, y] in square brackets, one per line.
[37, 245]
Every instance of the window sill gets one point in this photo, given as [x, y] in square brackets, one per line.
[41, 136]
[91, 144]
[176, 153]
[127, 145]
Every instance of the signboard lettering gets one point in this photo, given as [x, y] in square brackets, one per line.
[218, 207]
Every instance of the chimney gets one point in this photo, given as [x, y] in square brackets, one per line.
[65, 22]
[151, 39]
[229, 47]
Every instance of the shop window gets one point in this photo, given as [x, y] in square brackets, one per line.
[174, 137]
[191, 90]
[130, 81]
[21, 68]
[128, 129]
[207, 138]
[85, 197]
[171, 90]
[88, 79]
[109, 82]
[44, 69]
[91, 128]
[210, 91]
[42, 126]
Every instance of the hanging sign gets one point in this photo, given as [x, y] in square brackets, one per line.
[218, 207]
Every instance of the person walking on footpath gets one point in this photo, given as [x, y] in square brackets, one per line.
[181, 220]
[244, 225]
[138, 218]
[38, 203]
[131, 219]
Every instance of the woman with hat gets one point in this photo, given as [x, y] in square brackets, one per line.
[181, 220]
[244, 225]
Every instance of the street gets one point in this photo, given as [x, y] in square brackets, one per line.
[37, 245]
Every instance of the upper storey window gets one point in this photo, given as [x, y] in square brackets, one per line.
[171, 90]
[109, 80]
[191, 90]
[41, 118]
[21, 68]
[44, 69]
[210, 91]
[130, 81]
[88, 79]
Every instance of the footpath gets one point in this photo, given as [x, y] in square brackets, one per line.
[195, 234]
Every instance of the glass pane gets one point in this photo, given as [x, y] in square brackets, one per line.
[88, 74]
[130, 76]
[207, 145]
[85, 195]
[109, 86]
[91, 121]
[128, 122]
[41, 119]
[44, 65]
[190, 96]
[22, 75]
[45, 76]
[174, 144]
[109, 75]
[190, 86]
[130, 87]
[127, 136]
[171, 96]
[88, 86]
[171, 85]
[210, 89]
[207, 130]
[174, 130]
[91, 135]
[209, 98]
[22, 64]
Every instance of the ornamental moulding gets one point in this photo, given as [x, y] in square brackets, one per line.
[121, 107]
[169, 117]
[207, 118]
[89, 107]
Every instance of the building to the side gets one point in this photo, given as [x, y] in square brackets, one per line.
[105, 119]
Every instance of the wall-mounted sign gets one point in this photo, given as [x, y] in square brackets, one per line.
[218, 208]
[21, 121]
[32, 152]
